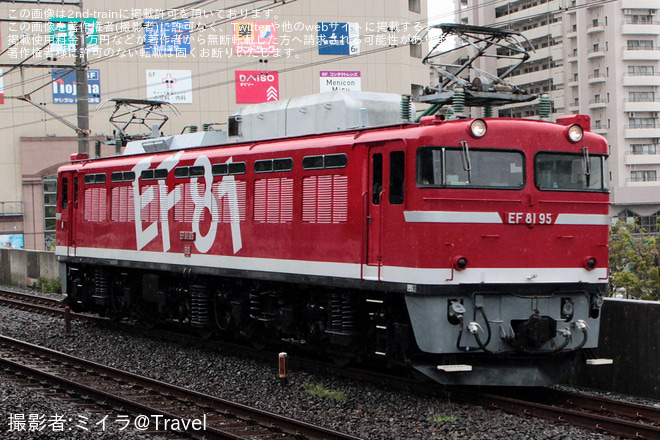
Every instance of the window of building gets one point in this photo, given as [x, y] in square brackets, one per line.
[641, 123]
[644, 149]
[640, 44]
[641, 96]
[643, 176]
[415, 6]
[640, 70]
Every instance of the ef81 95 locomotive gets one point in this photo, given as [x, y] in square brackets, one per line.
[473, 250]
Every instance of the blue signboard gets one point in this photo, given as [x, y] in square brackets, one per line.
[64, 86]
[338, 38]
[166, 36]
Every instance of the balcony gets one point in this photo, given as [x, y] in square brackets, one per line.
[597, 52]
[641, 80]
[652, 28]
[599, 129]
[642, 183]
[596, 27]
[597, 103]
[641, 54]
[642, 159]
[641, 131]
[641, 106]
[597, 78]
[639, 4]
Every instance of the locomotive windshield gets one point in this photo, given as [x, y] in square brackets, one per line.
[570, 172]
[458, 167]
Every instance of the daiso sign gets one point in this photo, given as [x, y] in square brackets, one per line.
[255, 86]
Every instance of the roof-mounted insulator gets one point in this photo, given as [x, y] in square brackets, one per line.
[459, 102]
[405, 107]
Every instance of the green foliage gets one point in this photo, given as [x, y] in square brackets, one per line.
[437, 419]
[634, 262]
[319, 390]
[49, 286]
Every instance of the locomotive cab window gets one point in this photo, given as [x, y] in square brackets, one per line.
[470, 168]
[570, 172]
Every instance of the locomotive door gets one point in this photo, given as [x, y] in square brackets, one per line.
[374, 201]
[68, 203]
[384, 198]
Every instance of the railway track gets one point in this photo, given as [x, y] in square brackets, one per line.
[605, 415]
[153, 403]
[615, 417]
[30, 302]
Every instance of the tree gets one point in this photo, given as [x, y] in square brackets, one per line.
[634, 262]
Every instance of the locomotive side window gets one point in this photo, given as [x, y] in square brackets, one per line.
[313, 163]
[181, 172]
[196, 171]
[569, 172]
[327, 161]
[270, 165]
[64, 193]
[224, 169]
[236, 168]
[125, 176]
[94, 178]
[397, 161]
[463, 167]
[160, 173]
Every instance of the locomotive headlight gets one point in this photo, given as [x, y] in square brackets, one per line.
[478, 128]
[567, 309]
[575, 133]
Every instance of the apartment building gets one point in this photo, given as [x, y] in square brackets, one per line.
[600, 58]
[203, 59]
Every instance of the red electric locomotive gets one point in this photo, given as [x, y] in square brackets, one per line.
[472, 250]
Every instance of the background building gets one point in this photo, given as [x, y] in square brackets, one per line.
[600, 58]
[206, 60]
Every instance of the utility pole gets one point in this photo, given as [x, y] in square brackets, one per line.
[81, 85]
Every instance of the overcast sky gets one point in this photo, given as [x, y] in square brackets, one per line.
[441, 11]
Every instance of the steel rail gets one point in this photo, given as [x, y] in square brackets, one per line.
[226, 420]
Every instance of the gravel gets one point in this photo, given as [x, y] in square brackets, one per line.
[363, 410]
